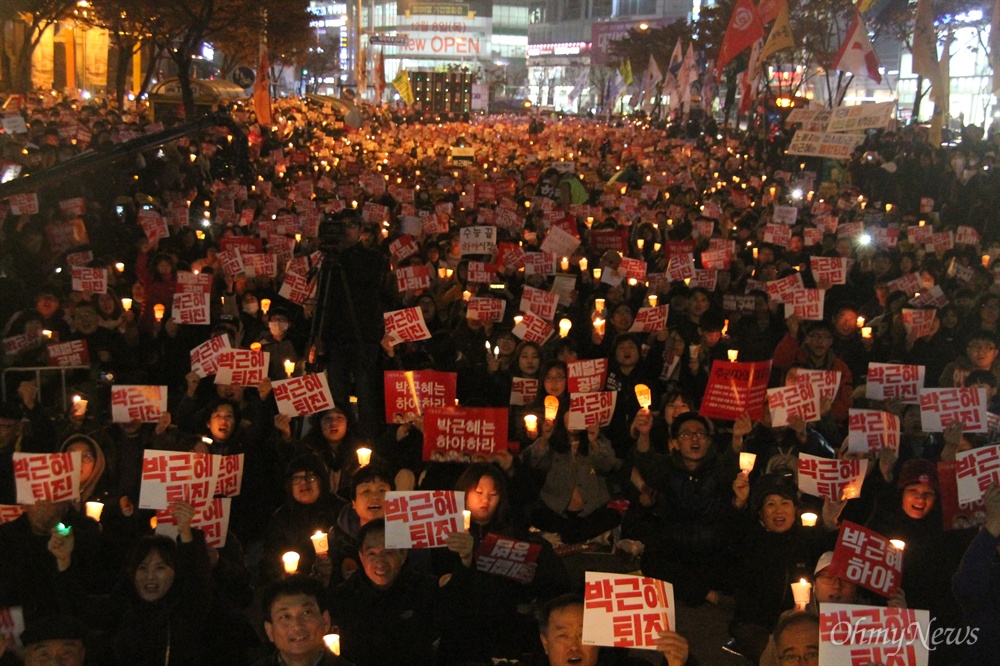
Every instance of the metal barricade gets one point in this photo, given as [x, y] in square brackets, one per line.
[62, 370]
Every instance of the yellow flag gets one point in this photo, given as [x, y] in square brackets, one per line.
[781, 35]
[626, 70]
[865, 5]
[403, 87]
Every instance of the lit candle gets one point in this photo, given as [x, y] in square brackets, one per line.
[551, 407]
[861, 322]
[597, 273]
[289, 366]
[518, 319]
[747, 461]
[467, 519]
[564, 264]
[725, 327]
[755, 252]
[921, 223]
[291, 562]
[632, 282]
[866, 332]
[126, 304]
[298, 238]
[898, 544]
[364, 456]
[120, 267]
[564, 326]
[640, 243]
[448, 272]
[733, 354]
[590, 221]
[255, 346]
[442, 274]
[320, 542]
[801, 591]
[599, 326]
[583, 265]
[643, 395]
[986, 261]
[809, 519]
[79, 406]
[158, 311]
[47, 333]
[599, 304]
[652, 298]
[531, 424]
[94, 510]
[332, 642]
[656, 247]
[265, 305]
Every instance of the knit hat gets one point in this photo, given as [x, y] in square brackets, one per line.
[916, 471]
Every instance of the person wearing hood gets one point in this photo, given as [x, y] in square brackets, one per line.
[310, 508]
[92, 465]
[693, 509]
[158, 277]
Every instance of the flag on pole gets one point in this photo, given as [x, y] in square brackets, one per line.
[856, 54]
[743, 30]
[403, 87]
[925, 58]
[379, 73]
[768, 10]
[672, 86]
[262, 86]
[781, 36]
[625, 69]
[687, 75]
[995, 47]
[655, 81]
[361, 72]
[750, 79]
[581, 83]
[616, 84]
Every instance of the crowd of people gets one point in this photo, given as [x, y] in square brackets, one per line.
[660, 484]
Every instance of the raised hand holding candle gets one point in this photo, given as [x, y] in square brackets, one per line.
[599, 326]
[551, 407]
[290, 561]
[320, 542]
[747, 461]
[643, 395]
[79, 407]
[467, 519]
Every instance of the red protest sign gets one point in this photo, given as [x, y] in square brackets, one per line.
[153, 225]
[832, 479]
[539, 263]
[523, 390]
[975, 471]
[734, 388]
[204, 357]
[587, 376]
[633, 269]
[297, 288]
[866, 558]
[509, 558]
[481, 272]
[212, 518]
[511, 256]
[301, 396]
[588, 409]
[64, 354]
[533, 329]
[956, 514]
[486, 309]
[894, 380]
[787, 402]
[779, 290]
[602, 240]
[624, 610]
[134, 402]
[189, 282]
[421, 519]
[941, 407]
[8, 513]
[832, 270]
[649, 320]
[855, 635]
[413, 278]
[409, 394]
[402, 248]
[47, 477]
[539, 302]
[462, 433]
[405, 326]
[191, 308]
[94, 280]
[176, 476]
[871, 430]
[242, 367]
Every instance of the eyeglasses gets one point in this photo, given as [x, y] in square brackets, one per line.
[688, 436]
[300, 479]
[811, 657]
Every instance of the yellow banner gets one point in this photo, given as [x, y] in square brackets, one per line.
[403, 87]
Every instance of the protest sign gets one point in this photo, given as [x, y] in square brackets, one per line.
[405, 326]
[588, 409]
[94, 280]
[586, 376]
[486, 309]
[975, 471]
[409, 394]
[624, 610]
[797, 400]
[523, 390]
[734, 388]
[241, 367]
[185, 476]
[533, 329]
[887, 381]
[191, 308]
[831, 478]
[421, 519]
[477, 240]
[866, 558]
[941, 407]
[831, 270]
[539, 302]
[301, 396]
[65, 354]
[462, 433]
[212, 518]
[857, 635]
[204, 357]
[134, 402]
[871, 430]
[806, 304]
[47, 477]
[956, 515]
[509, 558]
[826, 382]
[649, 320]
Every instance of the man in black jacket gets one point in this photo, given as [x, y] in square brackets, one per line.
[296, 621]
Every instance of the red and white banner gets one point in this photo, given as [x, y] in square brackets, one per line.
[47, 477]
[680, 268]
[941, 407]
[976, 470]
[957, 515]
[887, 381]
[509, 558]
[533, 329]
[153, 225]
[402, 248]
[405, 326]
[966, 236]
[463, 433]
[735, 388]
[871, 430]
[242, 367]
[409, 394]
[716, 260]
[587, 376]
[297, 288]
[204, 357]
[191, 308]
[587, 409]
[189, 282]
[64, 354]
[10, 512]
[624, 610]
[832, 270]
[866, 558]
[421, 519]
[539, 263]
[301, 396]
[541, 303]
[787, 402]
[832, 479]
[780, 290]
[523, 390]
[94, 280]
[486, 309]
[184, 476]
[634, 269]
[135, 402]
[806, 304]
[212, 518]
[649, 320]
[777, 234]
[855, 635]
[481, 272]
[918, 323]
[826, 382]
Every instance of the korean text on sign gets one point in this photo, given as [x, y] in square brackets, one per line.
[941, 407]
[47, 477]
[540, 302]
[301, 396]
[94, 280]
[422, 519]
[65, 354]
[212, 518]
[854, 635]
[486, 309]
[172, 476]
[735, 388]
[622, 610]
[131, 402]
[205, 357]
[477, 240]
[867, 558]
[893, 380]
[871, 430]
[509, 558]
[648, 320]
[190, 308]
[459, 433]
[788, 402]
[587, 376]
[409, 394]
[588, 409]
[832, 479]
[533, 329]
[405, 326]
[976, 470]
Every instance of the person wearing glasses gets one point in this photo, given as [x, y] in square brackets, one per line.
[814, 351]
[310, 508]
[692, 488]
[797, 640]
